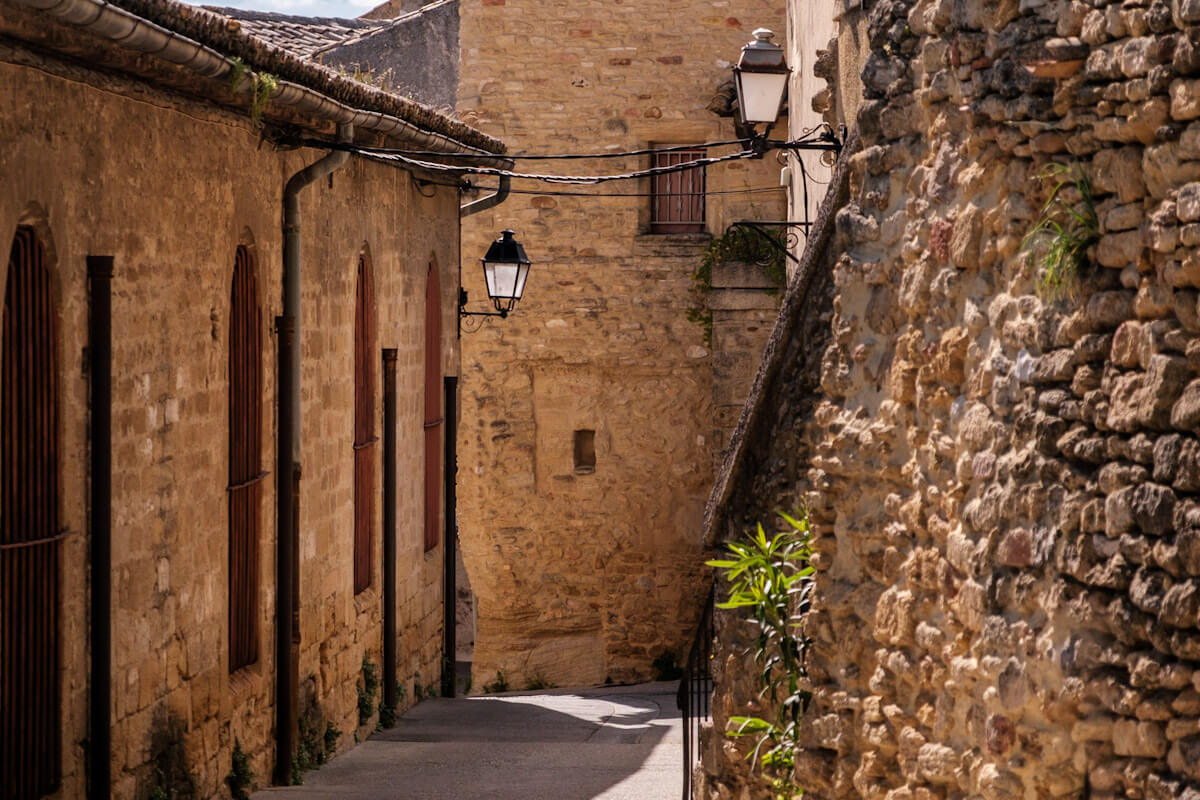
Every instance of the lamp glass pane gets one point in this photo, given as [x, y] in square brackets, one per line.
[489, 274]
[760, 94]
[503, 281]
[522, 275]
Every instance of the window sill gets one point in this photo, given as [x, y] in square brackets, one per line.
[687, 238]
[246, 682]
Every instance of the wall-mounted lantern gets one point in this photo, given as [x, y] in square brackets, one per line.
[762, 77]
[505, 271]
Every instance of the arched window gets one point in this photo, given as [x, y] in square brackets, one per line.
[433, 408]
[364, 425]
[29, 527]
[245, 460]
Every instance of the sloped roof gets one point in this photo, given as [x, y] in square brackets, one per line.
[309, 36]
[225, 35]
[303, 36]
[413, 52]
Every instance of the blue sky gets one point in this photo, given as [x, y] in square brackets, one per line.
[308, 8]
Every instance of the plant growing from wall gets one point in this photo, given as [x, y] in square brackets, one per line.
[172, 777]
[332, 734]
[537, 681]
[387, 717]
[241, 776]
[498, 685]
[368, 691]
[1065, 231]
[773, 579]
[262, 86]
[736, 244]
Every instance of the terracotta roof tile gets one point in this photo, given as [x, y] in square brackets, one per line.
[227, 36]
[304, 36]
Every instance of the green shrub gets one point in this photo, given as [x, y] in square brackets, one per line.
[773, 579]
[737, 244]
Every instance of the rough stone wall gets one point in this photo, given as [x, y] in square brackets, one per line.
[171, 204]
[586, 577]
[416, 56]
[1003, 486]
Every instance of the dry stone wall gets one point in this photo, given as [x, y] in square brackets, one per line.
[1003, 485]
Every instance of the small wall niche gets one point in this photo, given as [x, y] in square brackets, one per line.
[585, 452]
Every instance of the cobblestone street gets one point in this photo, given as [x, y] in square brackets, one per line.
[612, 743]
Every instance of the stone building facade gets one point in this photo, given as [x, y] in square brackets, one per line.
[1002, 480]
[157, 162]
[585, 573]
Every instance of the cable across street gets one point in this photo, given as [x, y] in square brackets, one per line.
[812, 139]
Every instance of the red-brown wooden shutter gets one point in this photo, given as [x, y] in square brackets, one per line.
[364, 426]
[433, 409]
[245, 461]
[29, 528]
[677, 205]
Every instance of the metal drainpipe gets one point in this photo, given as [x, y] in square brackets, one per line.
[491, 201]
[288, 453]
[99, 272]
[390, 661]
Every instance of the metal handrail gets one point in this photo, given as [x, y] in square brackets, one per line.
[695, 691]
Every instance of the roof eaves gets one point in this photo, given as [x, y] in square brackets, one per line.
[225, 36]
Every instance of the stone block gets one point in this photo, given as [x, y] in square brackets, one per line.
[1139, 739]
[1185, 413]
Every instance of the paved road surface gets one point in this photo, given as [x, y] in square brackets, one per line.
[614, 743]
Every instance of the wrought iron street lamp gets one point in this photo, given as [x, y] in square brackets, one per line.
[505, 271]
[761, 75]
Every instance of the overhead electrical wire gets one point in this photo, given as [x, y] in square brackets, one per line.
[818, 133]
[468, 186]
[577, 180]
[415, 159]
[521, 156]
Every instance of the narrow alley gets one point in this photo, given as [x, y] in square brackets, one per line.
[610, 743]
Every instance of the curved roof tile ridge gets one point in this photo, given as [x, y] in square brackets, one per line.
[226, 35]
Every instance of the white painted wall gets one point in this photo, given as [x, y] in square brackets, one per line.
[811, 24]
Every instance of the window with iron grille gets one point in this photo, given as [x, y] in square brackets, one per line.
[364, 426]
[434, 421]
[245, 460]
[29, 527]
[677, 201]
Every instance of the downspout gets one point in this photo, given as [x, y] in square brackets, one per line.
[491, 201]
[99, 273]
[288, 455]
[390, 660]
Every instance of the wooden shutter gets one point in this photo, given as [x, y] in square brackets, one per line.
[678, 197]
[245, 461]
[433, 408]
[29, 528]
[364, 426]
